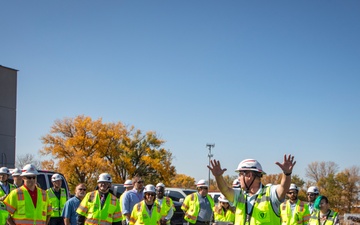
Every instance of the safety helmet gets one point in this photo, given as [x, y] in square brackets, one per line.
[5, 170]
[223, 199]
[250, 164]
[105, 177]
[293, 187]
[128, 183]
[236, 183]
[202, 183]
[56, 177]
[160, 185]
[16, 172]
[149, 188]
[313, 189]
[29, 169]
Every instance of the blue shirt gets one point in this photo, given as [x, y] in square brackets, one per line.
[131, 198]
[69, 210]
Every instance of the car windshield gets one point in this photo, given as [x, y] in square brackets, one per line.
[187, 192]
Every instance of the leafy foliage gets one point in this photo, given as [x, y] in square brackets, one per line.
[83, 148]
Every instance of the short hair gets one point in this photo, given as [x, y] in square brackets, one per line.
[318, 200]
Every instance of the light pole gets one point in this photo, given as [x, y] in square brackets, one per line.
[210, 146]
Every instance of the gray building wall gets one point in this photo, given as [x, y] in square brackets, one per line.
[8, 95]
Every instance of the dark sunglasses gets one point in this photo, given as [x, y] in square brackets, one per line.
[140, 182]
[205, 188]
[152, 194]
[311, 194]
[82, 189]
[291, 193]
[29, 178]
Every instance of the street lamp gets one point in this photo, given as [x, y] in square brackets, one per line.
[210, 146]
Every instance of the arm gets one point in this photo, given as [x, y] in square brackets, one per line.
[67, 221]
[218, 172]
[126, 206]
[10, 221]
[287, 167]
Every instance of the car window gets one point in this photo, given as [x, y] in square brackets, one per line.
[174, 195]
[187, 192]
[41, 181]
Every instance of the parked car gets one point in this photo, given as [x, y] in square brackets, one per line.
[215, 196]
[44, 180]
[178, 194]
[117, 189]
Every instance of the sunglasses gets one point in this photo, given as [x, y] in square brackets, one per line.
[311, 194]
[291, 193]
[205, 188]
[82, 189]
[29, 178]
[151, 194]
[140, 182]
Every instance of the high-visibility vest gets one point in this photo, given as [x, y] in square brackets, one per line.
[314, 218]
[229, 216]
[166, 205]
[20, 205]
[11, 187]
[57, 204]
[140, 215]
[90, 208]
[191, 207]
[300, 215]
[262, 212]
[121, 203]
[4, 214]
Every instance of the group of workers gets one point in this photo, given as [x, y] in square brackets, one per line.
[247, 201]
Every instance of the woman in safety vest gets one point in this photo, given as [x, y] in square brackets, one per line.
[223, 212]
[323, 215]
[147, 211]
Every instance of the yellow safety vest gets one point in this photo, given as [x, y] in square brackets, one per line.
[314, 218]
[4, 214]
[166, 205]
[90, 207]
[140, 215]
[191, 207]
[262, 212]
[229, 216]
[20, 205]
[11, 187]
[57, 205]
[121, 203]
[300, 215]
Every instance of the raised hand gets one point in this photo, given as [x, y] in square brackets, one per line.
[288, 164]
[216, 168]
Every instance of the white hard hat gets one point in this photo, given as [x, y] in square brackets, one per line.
[56, 177]
[160, 185]
[16, 172]
[223, 199]
[128, 183]
[236, 183]
[29, 169]
[5, 170]
[250, 164]
[105, 177]
[149, 188]
[313, 189]
[293, 187]
[202, 183]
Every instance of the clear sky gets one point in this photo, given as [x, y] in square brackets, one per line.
[257, 78]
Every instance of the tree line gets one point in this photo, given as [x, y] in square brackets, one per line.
[82, 148]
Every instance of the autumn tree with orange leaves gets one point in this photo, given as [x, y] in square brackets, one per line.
[82, 148]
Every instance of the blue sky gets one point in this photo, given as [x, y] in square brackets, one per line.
[257, 78]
